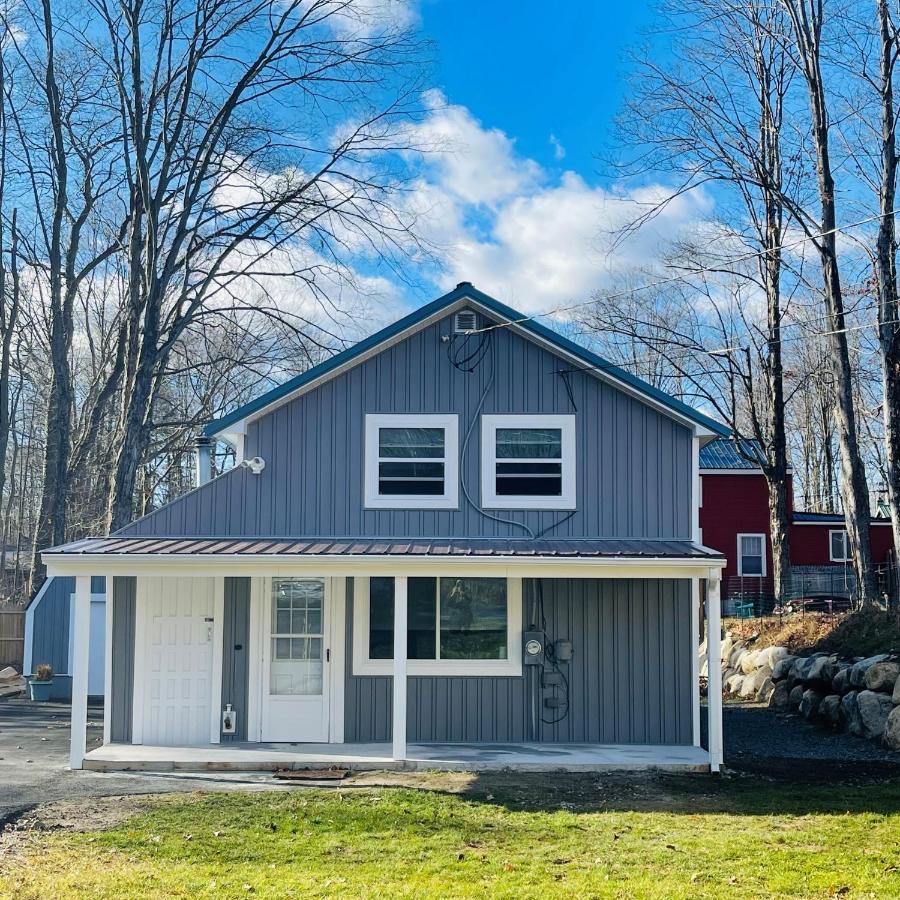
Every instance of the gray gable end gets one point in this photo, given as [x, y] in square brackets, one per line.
[633, 462]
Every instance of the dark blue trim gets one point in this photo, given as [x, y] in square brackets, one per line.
[832, 518]
[591, 360]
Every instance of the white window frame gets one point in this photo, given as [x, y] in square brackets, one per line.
[489, 426]
[512, 666]
[740, 554]
[831, 556]
[449, 499]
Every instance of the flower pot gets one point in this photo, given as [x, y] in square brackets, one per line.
[39, 690]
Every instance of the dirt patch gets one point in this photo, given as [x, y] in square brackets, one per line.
[28, 828]
[862, 633]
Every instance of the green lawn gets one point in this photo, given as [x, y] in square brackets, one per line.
[587, 837]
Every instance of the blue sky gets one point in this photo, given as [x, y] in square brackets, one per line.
[534, 71]
[520, 103]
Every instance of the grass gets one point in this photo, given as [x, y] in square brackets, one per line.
[666, 837]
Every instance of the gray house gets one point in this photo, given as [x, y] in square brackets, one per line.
[465, 541]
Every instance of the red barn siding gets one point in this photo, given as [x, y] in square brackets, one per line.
[734, 504]
[810, 543]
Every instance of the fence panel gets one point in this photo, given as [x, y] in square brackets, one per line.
[12, 638]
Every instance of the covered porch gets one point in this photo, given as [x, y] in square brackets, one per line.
[526, 757]
[393, 711]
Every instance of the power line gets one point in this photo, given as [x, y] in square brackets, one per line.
[757, 254]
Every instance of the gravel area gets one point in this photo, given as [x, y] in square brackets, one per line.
[759, 740]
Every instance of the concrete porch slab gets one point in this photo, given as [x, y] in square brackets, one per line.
[420, 757]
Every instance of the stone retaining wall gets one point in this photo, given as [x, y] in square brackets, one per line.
[861, 696]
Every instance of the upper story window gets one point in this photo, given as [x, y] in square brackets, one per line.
[412, 462]
[528, 462]
[752, 554]
[839, 548]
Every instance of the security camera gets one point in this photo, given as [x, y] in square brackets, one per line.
[255, 465]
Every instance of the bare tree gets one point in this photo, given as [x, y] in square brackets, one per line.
[220, 182]
[807, 19]
[712, 112]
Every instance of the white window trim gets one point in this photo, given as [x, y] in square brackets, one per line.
[740, 555]
[489, 426]
[831, 556]
[450, 498]
[511, 667]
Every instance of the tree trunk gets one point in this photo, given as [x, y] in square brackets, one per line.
[807, 24]
[888, 307]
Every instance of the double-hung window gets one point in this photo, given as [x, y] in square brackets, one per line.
[412, 462]
[839, 549]
[455, 626]
[751, 555]
[528, 462]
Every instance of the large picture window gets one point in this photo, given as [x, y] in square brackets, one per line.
[528, 462]
[454, 626]
[412, 462]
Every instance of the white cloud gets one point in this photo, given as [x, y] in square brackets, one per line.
[559, 152]
[523, 234]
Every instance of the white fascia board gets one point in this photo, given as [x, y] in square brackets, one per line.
[212, 565]
[467, 302]
[350, 364]
[836, 526]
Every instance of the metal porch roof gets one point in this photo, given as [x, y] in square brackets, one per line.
[354, 547]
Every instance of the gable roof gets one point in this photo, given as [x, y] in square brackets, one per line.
[723, 454]
[465, 292]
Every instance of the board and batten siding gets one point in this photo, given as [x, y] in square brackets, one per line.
[235, 654]
[633, 463]
[124, 593]
[629, 677]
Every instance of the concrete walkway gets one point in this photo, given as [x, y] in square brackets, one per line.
[34, 764]
[525, 757]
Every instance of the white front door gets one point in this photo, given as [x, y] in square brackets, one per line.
[175, 626]
[296, 660]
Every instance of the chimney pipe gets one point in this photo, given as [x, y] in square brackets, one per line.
[203, 458]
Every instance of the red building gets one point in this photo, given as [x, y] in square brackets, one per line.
[734, 519]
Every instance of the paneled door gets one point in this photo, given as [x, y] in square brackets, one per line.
[175, 621]
[296, 661]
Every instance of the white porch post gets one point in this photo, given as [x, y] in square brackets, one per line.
[81, 653]
[399, 723]
[714, 653]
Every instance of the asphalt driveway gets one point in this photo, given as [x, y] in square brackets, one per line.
[34, 760]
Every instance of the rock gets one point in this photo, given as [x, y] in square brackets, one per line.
[830, 709]
[874, 709]
[841, 680]
[765, 691]
[754, 681]
[780, 701]
[892, 729]
[896, 695]
[859, 669]
[820, 670]
[748, 661]
[882, 676]
[773, 656]
[850, 713]
[809, 703]
[726, 648]
[736, 657]
[782, 668]
[796, 695]
[704, 669]
[734, 684]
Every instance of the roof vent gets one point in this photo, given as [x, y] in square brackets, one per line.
[465, 321]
